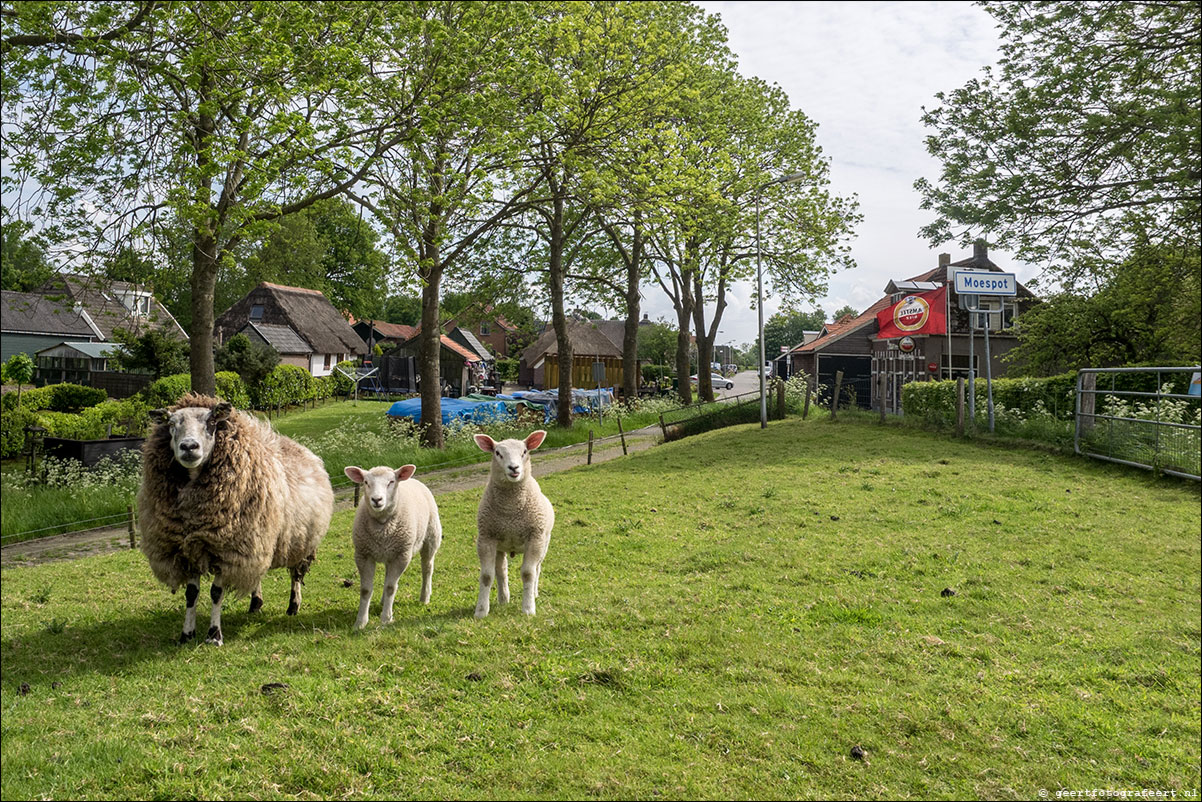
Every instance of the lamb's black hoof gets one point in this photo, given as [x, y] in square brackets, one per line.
[256, 603]
[292, 608]
[214, 636]
[187, 636]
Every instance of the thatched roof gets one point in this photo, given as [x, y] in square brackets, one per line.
[308, 312]
[586, 338]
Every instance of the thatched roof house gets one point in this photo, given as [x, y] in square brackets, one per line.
[301, 324]
[539, 363]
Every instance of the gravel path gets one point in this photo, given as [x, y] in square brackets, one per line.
[75, 545]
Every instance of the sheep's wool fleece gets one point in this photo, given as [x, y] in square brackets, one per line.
[260, 501]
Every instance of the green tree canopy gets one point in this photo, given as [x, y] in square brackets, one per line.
[153, 352]
[1084, 144]
[787, 328]
[1149, 311]
[23, 265]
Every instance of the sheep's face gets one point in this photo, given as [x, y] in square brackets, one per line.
[193, 432]
[511, 458]
[379, 486]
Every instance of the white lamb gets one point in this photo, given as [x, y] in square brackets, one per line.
[514, 516]
[398, 517]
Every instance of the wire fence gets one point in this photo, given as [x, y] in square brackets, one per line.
[1125, 422]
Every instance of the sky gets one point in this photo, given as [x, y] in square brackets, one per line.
[863, 72]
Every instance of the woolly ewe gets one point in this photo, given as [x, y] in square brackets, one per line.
[398, 517]
[514, 516]
[224, 494]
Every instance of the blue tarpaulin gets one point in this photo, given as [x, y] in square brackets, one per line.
[452, 409]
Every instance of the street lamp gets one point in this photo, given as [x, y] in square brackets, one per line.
[759, 291]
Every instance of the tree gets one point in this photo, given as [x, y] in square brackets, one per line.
[19, 370]
[657, 343]
[1084, 144]
[442, 192]
[23, 265]
[403, 309]
[1149, 311]
[153, 352]
[251, 361]
[844, 311]
[787, 328]
[218, 117]
[328, 247]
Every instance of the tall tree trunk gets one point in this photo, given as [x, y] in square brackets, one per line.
[558, 319]
[630, 334]
[705, 343]
[204, 287]
[430, 354]
[204, 254]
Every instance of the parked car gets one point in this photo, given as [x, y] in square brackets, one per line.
[717, 380]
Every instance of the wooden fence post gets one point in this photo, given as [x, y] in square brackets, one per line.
[809, 388]
[1089, 383]
[622, 434]
[133, 543]
[780, 399]
[960, 407]
[882, 382]
[590, 446]
[835, 395]
[662, 427]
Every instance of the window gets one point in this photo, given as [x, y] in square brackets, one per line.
[256, 312]
[485, 330]
[327, 365]
[959, 368]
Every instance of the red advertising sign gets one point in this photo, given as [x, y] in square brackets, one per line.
[920, 313]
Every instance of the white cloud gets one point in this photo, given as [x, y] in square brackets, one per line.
[862, 71]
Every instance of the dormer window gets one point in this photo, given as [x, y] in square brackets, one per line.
[137, 302]
[256, 312]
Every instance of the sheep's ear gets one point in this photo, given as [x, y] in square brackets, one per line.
[405, 471]
[354, 473]
[485, 442]
[158, 415]
[535, 439]
[220, 412]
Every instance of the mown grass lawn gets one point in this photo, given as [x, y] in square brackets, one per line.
[725, 616]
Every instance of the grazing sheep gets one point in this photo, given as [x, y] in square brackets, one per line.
[397, 518]
[514, 516]
[224, 494]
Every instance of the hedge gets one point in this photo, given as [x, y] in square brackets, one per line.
[935, 402]
[170, 389]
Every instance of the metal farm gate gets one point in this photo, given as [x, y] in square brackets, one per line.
[1145, 417]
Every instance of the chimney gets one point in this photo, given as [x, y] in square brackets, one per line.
[945, 259]
[979, 251]
[945, 264]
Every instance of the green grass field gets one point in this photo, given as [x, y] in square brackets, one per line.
[722, 617]
[343, 433]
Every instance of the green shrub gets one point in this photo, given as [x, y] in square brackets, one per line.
[32, 399]
[231, 387]
[935, 402]
[74, 397]
[340, 384]
[286, 384]
[12, 430]
[655, 372]
[507, 369]
[167, 390]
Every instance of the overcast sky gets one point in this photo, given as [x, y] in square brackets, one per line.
[862, 71]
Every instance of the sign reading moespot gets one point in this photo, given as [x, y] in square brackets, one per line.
[973, 282]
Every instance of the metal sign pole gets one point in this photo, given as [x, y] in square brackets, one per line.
[988, 373]
[972, 362]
